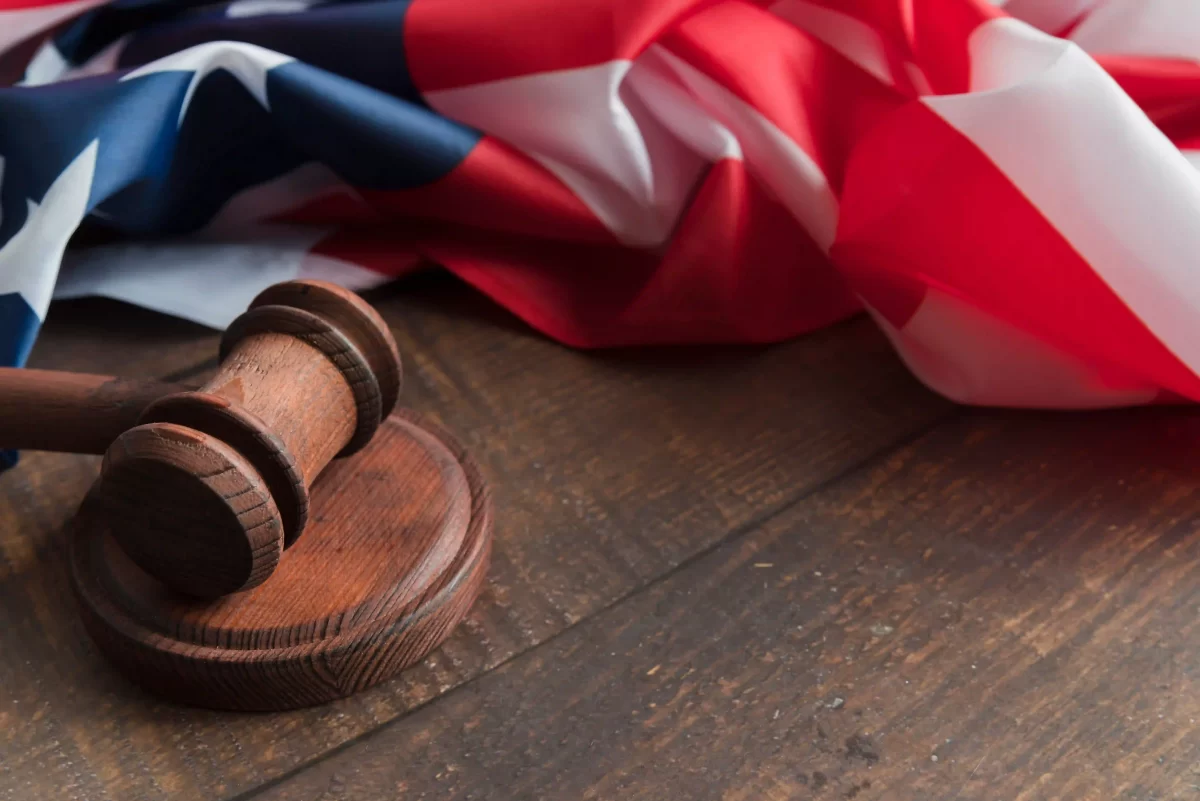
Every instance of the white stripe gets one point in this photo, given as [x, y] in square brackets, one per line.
[679, 111]
[1091, 162]
[29, 261]
[771, 156]
[632, 140]
[1051, 16]
[276, 197]
[1167, 28]
[972, 357]
[346, 274]
[207, 282]
[210, 276]
[605, 144]
[851, 37]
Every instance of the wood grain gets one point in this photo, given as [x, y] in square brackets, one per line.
[365, 331]
[68, 412]
[609, 470]
[36, 500]
[394, 558]
[188, 509]
[1004, 609]
[211, 485]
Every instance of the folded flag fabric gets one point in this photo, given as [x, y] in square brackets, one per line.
[1006, 187]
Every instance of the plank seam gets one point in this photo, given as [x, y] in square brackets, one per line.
[734, 535]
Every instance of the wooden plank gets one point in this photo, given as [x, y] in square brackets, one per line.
[1005, 609]
[96, 335]
[39, 626]
[609, 470]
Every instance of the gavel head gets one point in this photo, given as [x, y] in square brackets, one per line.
[212, 485]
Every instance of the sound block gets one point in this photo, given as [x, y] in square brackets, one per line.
[393, 556]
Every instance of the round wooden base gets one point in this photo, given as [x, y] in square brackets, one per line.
[393, 556]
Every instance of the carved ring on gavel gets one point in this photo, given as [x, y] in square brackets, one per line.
[210, 486]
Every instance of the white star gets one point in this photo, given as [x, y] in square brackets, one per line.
[29, 261]
[246, 62]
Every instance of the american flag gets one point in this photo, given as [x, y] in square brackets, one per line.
[1007, 188]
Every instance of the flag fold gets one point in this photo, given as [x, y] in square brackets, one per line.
[1009, 189]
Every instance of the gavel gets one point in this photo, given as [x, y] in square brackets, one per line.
[204, 488]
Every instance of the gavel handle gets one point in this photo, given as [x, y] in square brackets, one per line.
[50, 410]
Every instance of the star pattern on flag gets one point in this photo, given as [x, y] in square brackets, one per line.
[245, 62]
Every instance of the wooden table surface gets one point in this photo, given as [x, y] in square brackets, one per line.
[719, 573]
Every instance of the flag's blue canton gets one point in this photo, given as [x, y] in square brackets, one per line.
[360, 41]
[363, 41]
[155, 177]
[391, 144]
[229, 142]
[164, 169]
[46, 127]
[93, 30]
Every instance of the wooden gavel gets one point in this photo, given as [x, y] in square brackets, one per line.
[204, 488]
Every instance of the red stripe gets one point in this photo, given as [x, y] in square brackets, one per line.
[1068, 29]
[932, 34]
[15, 5]
[923, 203]
[892, 18]
[894, 295]
[817, 97]
[385, 250]
[452, 43]
[769, 279]
[738, 269]
[940, 36]
[495, 187]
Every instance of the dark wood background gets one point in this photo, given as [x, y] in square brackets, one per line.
[720, 573]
